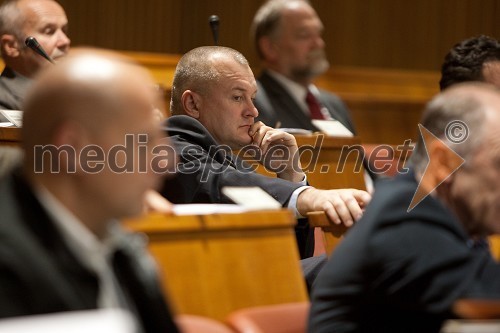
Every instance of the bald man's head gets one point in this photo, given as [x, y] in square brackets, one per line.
[89, 130]
[465, 118]
[91, 87]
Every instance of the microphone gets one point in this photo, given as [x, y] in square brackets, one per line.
[214, 26]
[33, 44]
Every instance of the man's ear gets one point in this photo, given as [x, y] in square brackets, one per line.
[71, 137]
[444, 160]
[268, 48]
[191, 103]
[10, 46]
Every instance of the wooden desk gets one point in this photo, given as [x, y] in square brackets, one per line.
[331, 233]
[477, 308]
[214, 264]
[332, 152]
[477, 315]
[495, 246]
[321, 156]
[10, 136]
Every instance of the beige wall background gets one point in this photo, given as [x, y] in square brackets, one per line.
[399, 34]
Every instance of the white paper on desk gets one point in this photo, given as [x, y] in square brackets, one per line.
[6, 124]
[14, 116]
[205, 209]
[252, 198]
[332, 127]
[109, 321]
[471, 326]
[298, 131]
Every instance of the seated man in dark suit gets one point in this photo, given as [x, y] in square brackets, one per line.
[412, 255]
[473, 59]
[62, 247]
[287, 37]
[213, 113]
[47, 22]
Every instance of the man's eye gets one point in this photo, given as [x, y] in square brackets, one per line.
[238, 98]
[49, 31]
[303, 35]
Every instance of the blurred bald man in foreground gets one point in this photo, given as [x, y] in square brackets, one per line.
[90, 135]
[415, 252]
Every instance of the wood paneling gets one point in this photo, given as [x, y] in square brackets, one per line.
[385, 104]
[365, 34]
[371, 33]
[152, 25]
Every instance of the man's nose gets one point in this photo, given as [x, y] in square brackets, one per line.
[319, 42]
[252, 110]
[63, 39]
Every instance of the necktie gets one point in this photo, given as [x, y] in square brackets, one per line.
[314, 106]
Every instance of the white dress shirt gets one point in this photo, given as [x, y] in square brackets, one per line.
[94, 254]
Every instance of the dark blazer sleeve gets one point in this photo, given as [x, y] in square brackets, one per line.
[12, 90]
[138, 276]
[205, 167]
[274, 104]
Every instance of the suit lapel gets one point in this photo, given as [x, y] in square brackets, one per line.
[75, 285]
[284, 105]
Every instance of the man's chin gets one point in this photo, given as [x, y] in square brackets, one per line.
[58, 57]
[242, 143]
[319, 67]
[312, 71]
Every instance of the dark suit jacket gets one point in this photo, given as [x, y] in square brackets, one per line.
[205, 167]
[39, 274]
[275, 104]
[12, 90]
[399, 271]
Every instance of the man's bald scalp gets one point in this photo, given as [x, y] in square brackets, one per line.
[88, 87]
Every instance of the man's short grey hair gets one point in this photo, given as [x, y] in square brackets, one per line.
[11, 19]
[196, 71]
[267, 20]
[443, 110]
